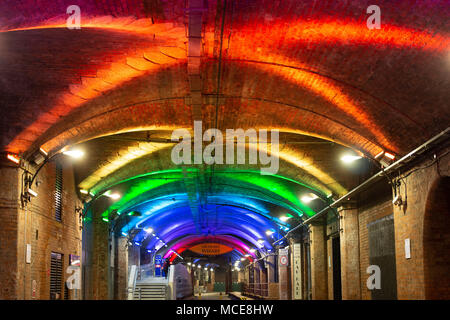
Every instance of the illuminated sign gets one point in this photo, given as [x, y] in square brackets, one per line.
[210, 249]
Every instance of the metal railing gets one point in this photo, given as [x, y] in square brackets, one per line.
[133, 271]
[146, 271]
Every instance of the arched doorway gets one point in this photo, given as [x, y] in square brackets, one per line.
[436, 241]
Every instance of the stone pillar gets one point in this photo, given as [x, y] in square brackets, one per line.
[257, 279]
[100, 261]
[9, 248]
[330, 268]
[284, 282]
[96, 253]
[121, 269]
[350, 262]
[271, 277]
[319, 276]
[213, 280]
[263, 281]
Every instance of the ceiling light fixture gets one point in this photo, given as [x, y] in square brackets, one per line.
[148, 230]
[307, 198]
[13, 158]
[76, 153]
[348, 158]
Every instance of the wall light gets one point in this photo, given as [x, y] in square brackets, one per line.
[348, 158]
[389, 155]
[13, 158]
[261, 241]
[307, 198]
[148, 230]
[284, 218]
[270, 232]
[114, 196]
[31, 192]
[76, 153]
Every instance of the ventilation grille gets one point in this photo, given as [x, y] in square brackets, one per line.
[56, 264]
[58, 192]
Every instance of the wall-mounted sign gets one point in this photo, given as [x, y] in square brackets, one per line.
[283, 257]
[297, 271]
[28, 255]
[210, 249]
[33, 289]
[74, 260]
[158, 265]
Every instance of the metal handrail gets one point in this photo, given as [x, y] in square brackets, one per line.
[132, 281]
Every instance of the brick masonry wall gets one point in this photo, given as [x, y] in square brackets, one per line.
[373, 205]
[319, 277]
[350, 257]
[121, 269]
[9, 205]
[409, 224]
[36, 225]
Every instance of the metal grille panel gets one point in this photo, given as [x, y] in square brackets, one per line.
[58, 192]
[382, 254]
[56, 265]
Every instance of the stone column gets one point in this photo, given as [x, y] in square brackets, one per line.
[271, 277]
[319, 275]
[263, 281]
[11, 245]
[284, 282]
[121, 269]
[257, 279]
[350, 262]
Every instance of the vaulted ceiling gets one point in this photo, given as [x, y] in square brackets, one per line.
[137, 70]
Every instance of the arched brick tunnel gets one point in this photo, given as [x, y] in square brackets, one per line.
[345, 163]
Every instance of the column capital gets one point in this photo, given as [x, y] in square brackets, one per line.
[348, 205]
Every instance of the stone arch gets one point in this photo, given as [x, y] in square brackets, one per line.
[436, 241]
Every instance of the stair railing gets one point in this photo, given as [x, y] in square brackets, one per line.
[132, 282]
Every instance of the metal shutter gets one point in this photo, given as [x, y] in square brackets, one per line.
[56, 265]
[382, 254]
[58, 192]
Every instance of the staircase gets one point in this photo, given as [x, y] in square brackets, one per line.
[150, 291]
